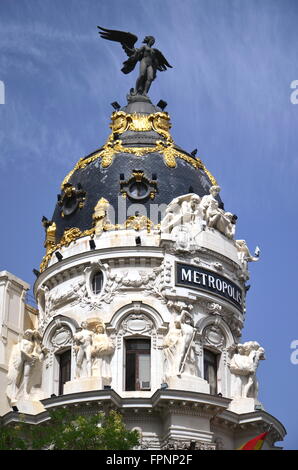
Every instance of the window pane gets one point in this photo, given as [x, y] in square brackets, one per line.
[210, 357]
[210, 370]
[130, 375]
[137, 370]
[138, 190]
[138, 344]
[212, 379]
[144, 371]
[97, 282]
[64, 372]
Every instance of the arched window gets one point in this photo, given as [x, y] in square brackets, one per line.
[210, 369]
[97, 282]
[137, 364]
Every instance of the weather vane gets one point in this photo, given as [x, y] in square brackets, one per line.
[150, 59]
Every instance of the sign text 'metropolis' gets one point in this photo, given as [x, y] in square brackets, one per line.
[203, 279]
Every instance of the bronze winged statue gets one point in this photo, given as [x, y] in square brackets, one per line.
[150, 59]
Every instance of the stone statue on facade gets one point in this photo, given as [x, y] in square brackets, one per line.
[216, 217]
[182, 211]
[24, 366]
[209, 198]
[102, 350]
[243, 367]
[93, 349]
[186, 216]
[171, 213]
[150, 59]
[178, 348]
[244, 255]
[82, 341]
[183, 220]
[190, 211]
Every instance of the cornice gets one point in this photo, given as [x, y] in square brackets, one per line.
[103, 253]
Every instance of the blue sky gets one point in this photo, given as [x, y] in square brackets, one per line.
[228, 95]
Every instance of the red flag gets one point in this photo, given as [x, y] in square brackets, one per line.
[254, 444]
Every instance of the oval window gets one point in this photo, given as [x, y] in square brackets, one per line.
[97, 282]
[138, 190]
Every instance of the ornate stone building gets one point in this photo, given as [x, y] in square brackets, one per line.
[141, 299]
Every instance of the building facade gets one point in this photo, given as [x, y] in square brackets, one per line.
[141, 299]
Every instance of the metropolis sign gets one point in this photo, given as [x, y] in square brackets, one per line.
[203, 279]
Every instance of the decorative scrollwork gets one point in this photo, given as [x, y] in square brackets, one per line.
[159, 122]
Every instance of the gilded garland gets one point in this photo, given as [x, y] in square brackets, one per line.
[122, 122]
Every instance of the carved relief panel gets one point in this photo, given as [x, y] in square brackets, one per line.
[136, 324]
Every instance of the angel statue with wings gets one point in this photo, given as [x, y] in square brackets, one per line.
[150, 59]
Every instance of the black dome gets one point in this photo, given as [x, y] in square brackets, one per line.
[140, 164]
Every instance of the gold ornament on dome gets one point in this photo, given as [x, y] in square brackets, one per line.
[69, 236]
[140, 123]
[158, 122]
[122, 122]
[137, 223]
[50, 235]
[100, 216]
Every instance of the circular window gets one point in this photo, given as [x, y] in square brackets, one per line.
[97, 282]
[138, 190]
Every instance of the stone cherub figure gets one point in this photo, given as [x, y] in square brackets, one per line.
[150, 59]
